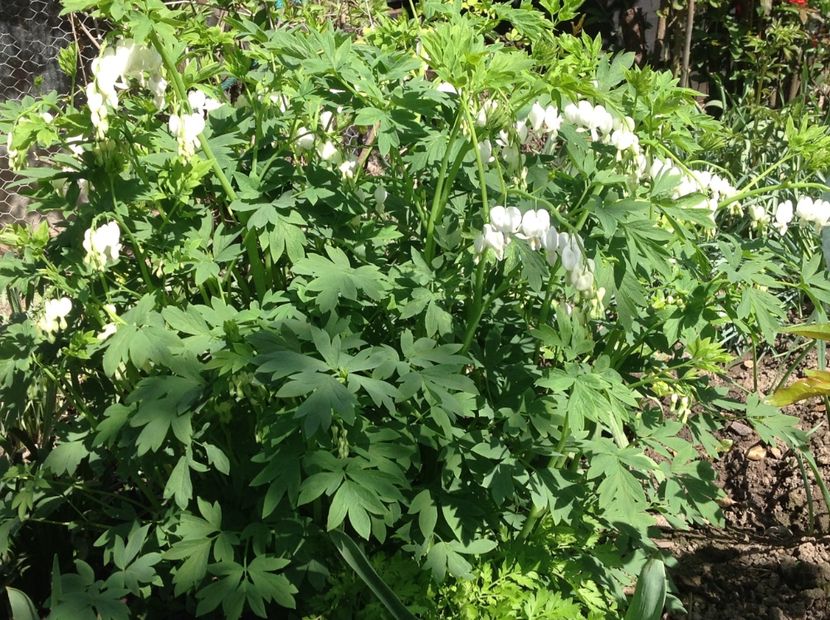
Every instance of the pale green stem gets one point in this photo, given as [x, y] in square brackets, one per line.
[765, 173]
[250, 241]
[808, 490]
[437, 206]
[554, 211]
[773, 188]
[556, 460]
[139, 255]
[477, 309]
[471, 126]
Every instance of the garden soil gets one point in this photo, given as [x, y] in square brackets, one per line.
[765, 564]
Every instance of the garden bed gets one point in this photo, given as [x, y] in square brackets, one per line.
[766, 563]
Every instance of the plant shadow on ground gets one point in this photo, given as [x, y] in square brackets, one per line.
[767, 563]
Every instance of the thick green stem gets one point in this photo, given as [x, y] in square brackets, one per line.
[477, 309]
[773, 188]
[765, 173]
[437, 205]
[825, 494]
[556, 461]
[250, 241]
[808, 490]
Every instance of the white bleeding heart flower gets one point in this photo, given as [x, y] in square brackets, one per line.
[187, 129]
[783, 216]
[534, 226]
[553, 120]
[200, 102]
[348, 167]
[102, 245]
[490, 238]
[446, 87]
[328, 152]
[506, 220]
[380, 197]
[550, 241]
[54, 315]
[485, 151]
[536, 116]
[304, 140]
[569, 251]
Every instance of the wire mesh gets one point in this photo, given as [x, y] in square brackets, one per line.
[32, 33]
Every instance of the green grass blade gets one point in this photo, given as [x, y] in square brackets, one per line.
[817, 331]
[650, 595]
[360, 564]
[22, 606]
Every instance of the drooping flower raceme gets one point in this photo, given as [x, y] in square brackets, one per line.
[112, 70]
[54, 315]
[102, 245]
[534, 227]
[714, 187]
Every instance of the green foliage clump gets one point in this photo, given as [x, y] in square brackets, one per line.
[455, 296]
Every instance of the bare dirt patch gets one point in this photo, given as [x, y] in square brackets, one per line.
[768, 562]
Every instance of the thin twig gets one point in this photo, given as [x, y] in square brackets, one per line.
[91, 37]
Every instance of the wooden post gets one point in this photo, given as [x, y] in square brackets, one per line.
[687, 49]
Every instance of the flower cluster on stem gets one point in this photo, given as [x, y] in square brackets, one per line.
[112, 71]
[534, 228]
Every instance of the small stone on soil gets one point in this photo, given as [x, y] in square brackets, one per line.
[742, 429]
[756, 453]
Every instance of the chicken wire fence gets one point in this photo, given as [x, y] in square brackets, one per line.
[32, 32]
